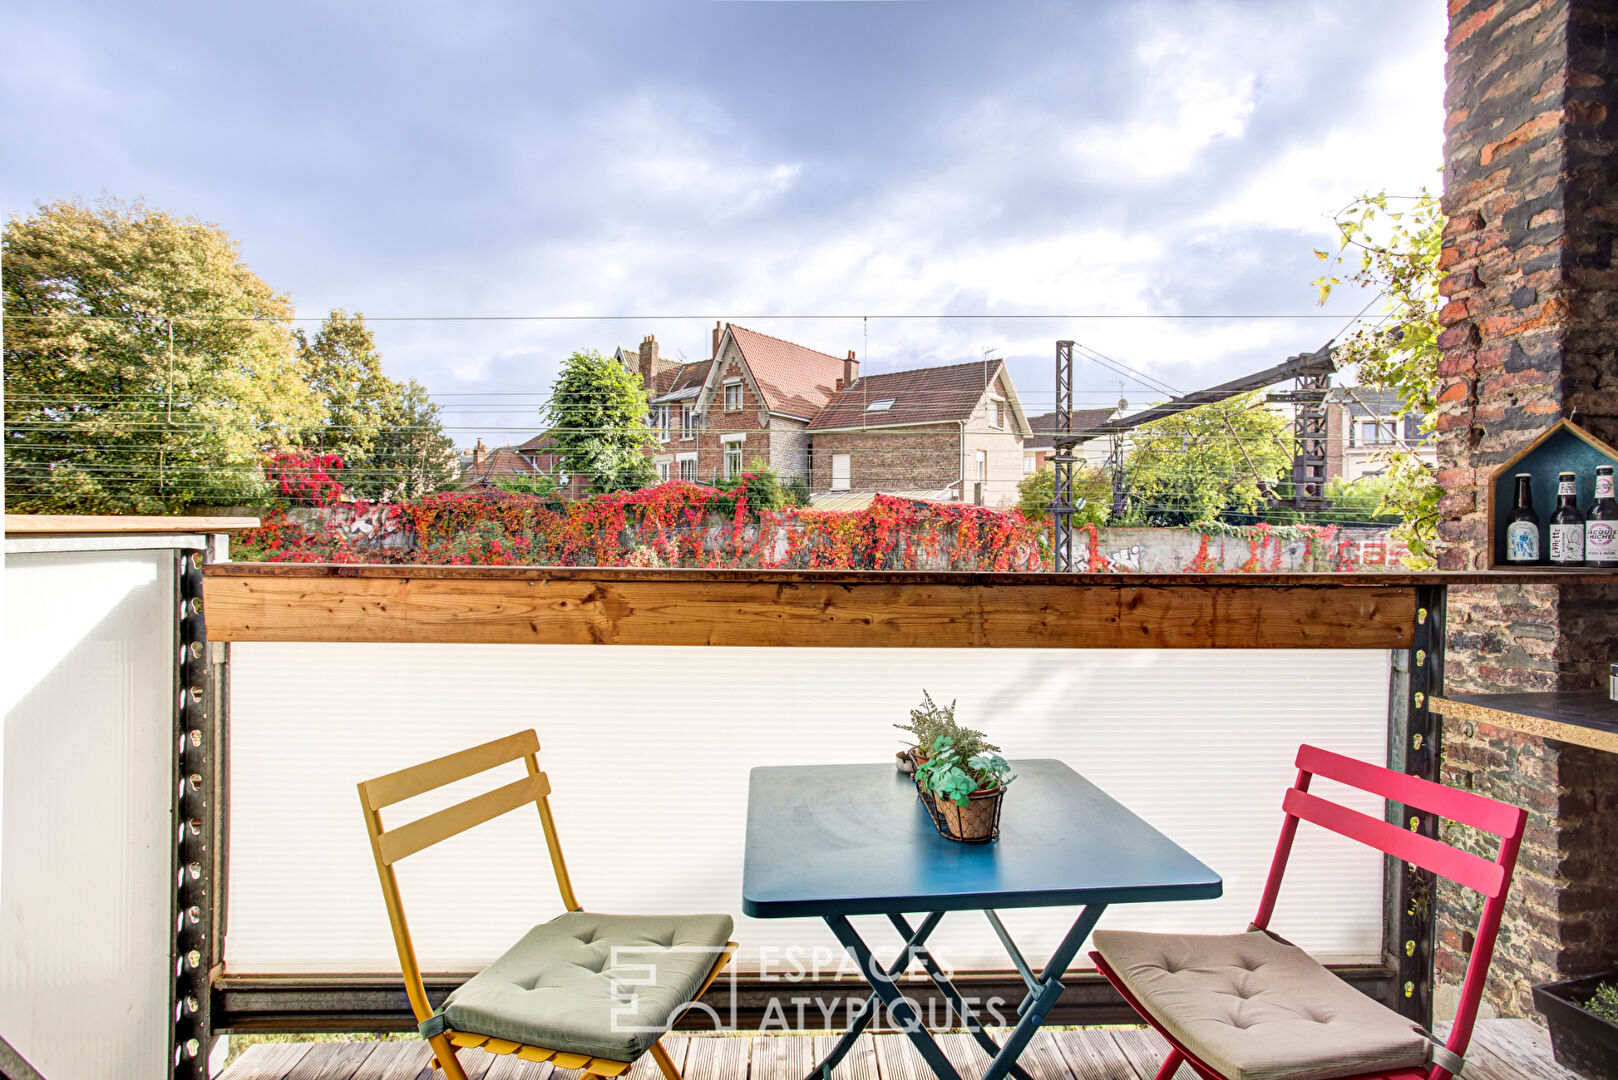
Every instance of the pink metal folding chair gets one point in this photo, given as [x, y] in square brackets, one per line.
[1206, 993]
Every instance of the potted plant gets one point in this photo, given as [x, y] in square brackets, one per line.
[1583, 1018]
[928, 721]
[967, 781]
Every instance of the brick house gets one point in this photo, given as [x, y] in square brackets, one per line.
[747, 407]
[529, 460]
[957, 428]
[1361, 426]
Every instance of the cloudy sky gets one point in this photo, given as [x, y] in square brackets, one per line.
[750, 161]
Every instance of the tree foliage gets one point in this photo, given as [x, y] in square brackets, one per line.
[105, 412]
[1092, 495]
[1205, 461]
[1395, 251]
[597, 416]
[389, 434]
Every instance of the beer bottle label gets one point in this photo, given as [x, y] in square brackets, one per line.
[1567, 487]
[1603, 485]
[1522, 542]
[1567, 543]
[1601, 541]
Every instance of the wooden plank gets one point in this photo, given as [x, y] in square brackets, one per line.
[1042, 1059]
[266, 1061]
[781, 1057]
[898, 1059]
[512, 1067]
[331, 1061]
[858, 1064]
[1528, 575]
[1522, 1046]
[1584, 718]
[1052, 613]
[717, 1057]
[84, 524]
[440, 825]
[963, 1051]
[396, 1060]
[1092, 1054]
[645, 1068]
[1145, 1050]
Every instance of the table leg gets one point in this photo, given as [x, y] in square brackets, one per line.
[1050, 988]
[899, 1006]
[857, 1023]
[968, 1020]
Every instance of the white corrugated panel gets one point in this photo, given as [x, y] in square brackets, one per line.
[649, 749]
[84, 812]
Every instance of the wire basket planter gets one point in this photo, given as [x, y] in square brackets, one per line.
[978, 822]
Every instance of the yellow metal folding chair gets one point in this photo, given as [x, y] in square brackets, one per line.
[560, 993]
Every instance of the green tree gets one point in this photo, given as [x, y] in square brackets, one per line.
[1395, 251]
[343, 366]
[598, 417]
[1090, 486]
[410, 456]
[146, 367]
[1210, 459]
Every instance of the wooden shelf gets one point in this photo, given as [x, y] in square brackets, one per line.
[97, 525]
[1585, 717]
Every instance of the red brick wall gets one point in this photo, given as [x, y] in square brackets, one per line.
[1530, 333]
[890, 459]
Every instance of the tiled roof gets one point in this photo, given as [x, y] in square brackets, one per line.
[542, 441]
[502, 463]
[792, 378]
[684, 380]
[1085, 421]
[930, 395]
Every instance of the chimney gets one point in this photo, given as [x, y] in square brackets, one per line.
[851, 369]
[477, 456]
[718, 332]
[648, 362]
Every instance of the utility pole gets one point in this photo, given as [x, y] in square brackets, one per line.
[1062, 441]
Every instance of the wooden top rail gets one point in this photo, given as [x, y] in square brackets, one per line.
[100, 524]
[423, 571]
[869, 609]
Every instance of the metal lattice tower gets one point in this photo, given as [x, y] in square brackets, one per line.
[1062, 442]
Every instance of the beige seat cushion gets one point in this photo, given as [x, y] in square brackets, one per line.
[603, 985]
[1257, 1009]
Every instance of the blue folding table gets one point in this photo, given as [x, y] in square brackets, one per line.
[840, 840]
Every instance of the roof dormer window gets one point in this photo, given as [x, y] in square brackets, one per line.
[881, 405]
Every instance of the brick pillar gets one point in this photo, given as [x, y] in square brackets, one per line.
[1531, 325]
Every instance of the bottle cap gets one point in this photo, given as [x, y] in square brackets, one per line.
[1565, 476]
[1529, 475]
[1603, 468]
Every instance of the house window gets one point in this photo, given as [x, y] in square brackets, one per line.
[1029, 463]
[688, 423]
[688, 468]
[662, 472]
[1374, 431]
[660, 421]
[994, 413]
[880, 406]
[733, 396]
[733, 458]
[983, 466]
[841, 471]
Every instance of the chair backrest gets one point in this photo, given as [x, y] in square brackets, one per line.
[1490, 877]
[389, 845]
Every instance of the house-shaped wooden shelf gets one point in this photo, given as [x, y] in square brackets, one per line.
[1563, 447]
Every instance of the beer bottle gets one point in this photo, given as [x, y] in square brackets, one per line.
[1522, 534]
[1601, 528]
[1567, 524]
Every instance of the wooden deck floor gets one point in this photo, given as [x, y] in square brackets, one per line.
[1501, 1050]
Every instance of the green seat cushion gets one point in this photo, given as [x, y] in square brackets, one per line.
[603, 985]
